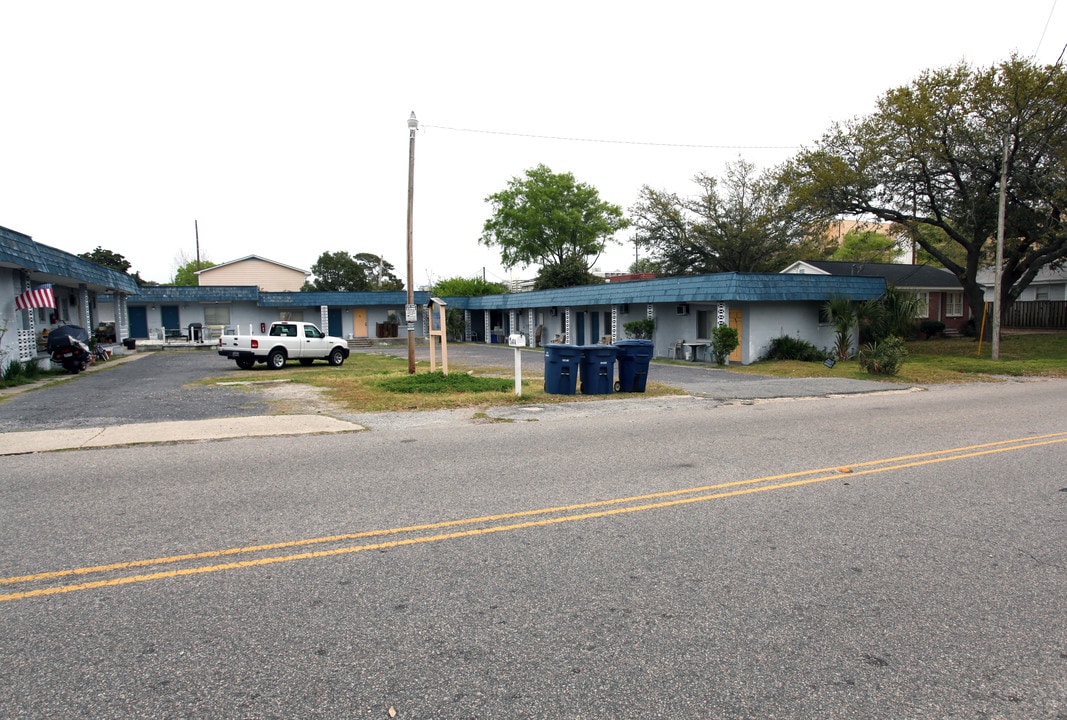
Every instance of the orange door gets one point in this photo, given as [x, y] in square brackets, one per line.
[735, 323]
[359, 322]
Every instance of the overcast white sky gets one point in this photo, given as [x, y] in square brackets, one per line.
[282, 127]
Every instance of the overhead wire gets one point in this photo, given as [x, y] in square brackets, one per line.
[615, 142]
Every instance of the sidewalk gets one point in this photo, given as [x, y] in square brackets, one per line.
[34, 441]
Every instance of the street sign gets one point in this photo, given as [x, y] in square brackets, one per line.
[411, 313]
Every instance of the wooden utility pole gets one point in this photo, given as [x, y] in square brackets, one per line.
[409, 311]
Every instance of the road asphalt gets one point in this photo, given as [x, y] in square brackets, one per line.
[152, 398]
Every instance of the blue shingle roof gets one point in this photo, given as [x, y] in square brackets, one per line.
[20, 251]
[720, 287]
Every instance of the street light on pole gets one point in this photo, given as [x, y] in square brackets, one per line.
[409, 311]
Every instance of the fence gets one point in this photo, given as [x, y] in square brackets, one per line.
[1049, 314]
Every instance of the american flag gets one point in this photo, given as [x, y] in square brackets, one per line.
[40, 297]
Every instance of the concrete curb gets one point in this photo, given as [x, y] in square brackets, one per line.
[35, 441]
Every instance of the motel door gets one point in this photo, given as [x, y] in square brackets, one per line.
[735, 323]
[359, 322]
[333, 320]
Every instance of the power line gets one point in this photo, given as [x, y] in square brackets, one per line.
[616, 142]
[1051, 12]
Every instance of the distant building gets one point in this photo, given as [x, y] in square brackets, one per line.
[267, 275]
[939, 291]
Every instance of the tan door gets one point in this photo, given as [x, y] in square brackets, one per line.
[735, 323]
[359, 322]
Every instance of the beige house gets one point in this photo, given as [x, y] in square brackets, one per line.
[267, 275]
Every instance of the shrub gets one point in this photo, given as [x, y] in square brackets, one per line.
[640, 329]
[786, 347]
[883, 357]
[12, 372]
[930, 328]
[724, 341]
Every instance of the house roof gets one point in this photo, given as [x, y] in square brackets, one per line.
[720, 287]
[49, 264]
[1046, 275]
[925, 277]
[252, 257]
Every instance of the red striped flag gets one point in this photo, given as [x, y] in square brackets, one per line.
[40, 297]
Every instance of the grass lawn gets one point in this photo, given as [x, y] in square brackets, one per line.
[946, 360]
[371, 382]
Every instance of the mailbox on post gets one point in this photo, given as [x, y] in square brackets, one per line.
[517, 340]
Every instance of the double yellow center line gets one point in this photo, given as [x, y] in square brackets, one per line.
[58, 581]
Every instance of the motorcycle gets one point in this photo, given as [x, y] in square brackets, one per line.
[68, 346]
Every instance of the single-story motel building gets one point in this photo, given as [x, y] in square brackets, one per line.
[760, 306]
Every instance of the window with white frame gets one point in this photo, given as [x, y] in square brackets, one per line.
[923, 309]
[954, 304]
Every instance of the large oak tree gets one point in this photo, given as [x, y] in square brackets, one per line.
[738, 224]
[930, 159]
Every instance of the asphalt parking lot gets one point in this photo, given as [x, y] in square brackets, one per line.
[164, 386]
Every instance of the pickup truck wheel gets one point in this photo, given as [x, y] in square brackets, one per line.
[306, 361]
[337, 357]
[245, 363]
[276, 360]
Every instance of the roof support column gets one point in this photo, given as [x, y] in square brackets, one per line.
[466, 326]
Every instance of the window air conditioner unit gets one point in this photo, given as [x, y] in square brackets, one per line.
[682, 309]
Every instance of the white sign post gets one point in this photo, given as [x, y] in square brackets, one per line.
[517, 342]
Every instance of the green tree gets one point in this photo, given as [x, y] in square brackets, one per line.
[107, 258]
[463, 287]
[572, 272]
[379, 272]
[741, 224]
[338, 272]
[866, 246]
[551, 220]
[467, 287]
[931, 157]
[186, 273]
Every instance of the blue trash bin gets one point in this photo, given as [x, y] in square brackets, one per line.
[561, 368]
[598, 369]
[634, 357]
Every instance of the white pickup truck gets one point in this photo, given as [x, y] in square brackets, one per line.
[284, 341]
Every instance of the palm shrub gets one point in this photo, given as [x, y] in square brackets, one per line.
[883, 357]
[842, 314]
[894, 313]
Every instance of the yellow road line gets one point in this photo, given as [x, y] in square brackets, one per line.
[891, 464]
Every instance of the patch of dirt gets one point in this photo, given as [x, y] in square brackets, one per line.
[298, 399]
